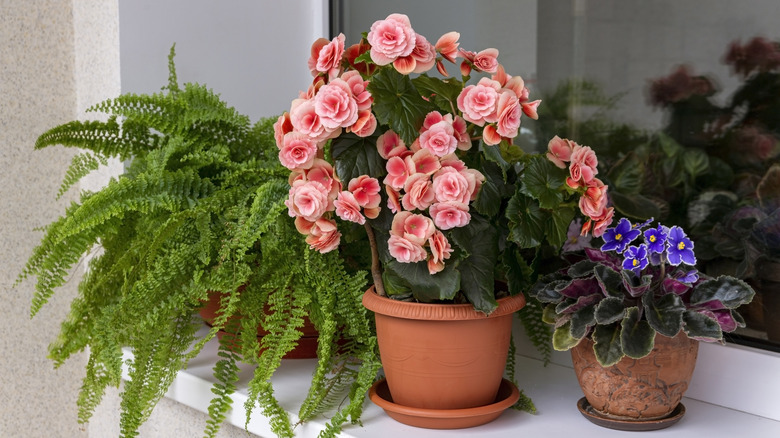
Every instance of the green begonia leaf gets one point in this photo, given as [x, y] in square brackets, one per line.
[526, 221]
[493, 153]
[607, 345]
[398, 104]
[480, 240]
[444, 92]
[664, 314]
[636, 335]
[700, 326]
[635, 206]
[732, 292]
[562, 338]
[426, 287]
[542, 180]
[355, 156]
[626, 176]
[609, 310]
[557, 228]
[490, 195]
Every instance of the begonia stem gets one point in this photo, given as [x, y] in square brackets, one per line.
[376, 269]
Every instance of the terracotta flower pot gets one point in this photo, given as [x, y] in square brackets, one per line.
[442, 356]
[307, 344]
[643, 389]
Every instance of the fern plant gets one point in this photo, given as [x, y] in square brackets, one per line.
[200, 208]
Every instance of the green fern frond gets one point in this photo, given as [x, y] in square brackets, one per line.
[538, 332]
[80, 166]
[104, 138]
[226, 373]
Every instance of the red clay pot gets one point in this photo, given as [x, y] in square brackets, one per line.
[442, 356]
[307, 344]
[649, 388]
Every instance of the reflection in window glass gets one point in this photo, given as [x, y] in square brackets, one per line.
[681, 101]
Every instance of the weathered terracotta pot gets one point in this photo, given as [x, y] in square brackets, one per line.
[637, 389]
[307, 344]
[442, 356]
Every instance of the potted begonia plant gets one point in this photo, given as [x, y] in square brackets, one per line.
[419, 175]
[632, 313]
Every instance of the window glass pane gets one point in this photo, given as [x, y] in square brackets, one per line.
[681, 101]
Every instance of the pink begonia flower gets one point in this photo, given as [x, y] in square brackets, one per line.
[593, 202]
[583, 163]
[298, 151]
[465, 68]
[393, 199]
[448, 215]
[490, 135]
[305, 120]
[509, 113]
[308, 200]
[327, 58]
[405, 251]
[391, 38]
[348, 209]
[475, 179]
[405, 64]
[559, 151]
[302, 225]
[424, 54]
[486, 60]
[397, 173]
[603, 224]
[451, 185]
[422, 161]
[433, 118]
[322, 172]
[390, 145]
[439, 139]
[359, 89]
[440, 67]
[414, 227]
[447, 46]
[517, 85]
[335, 105]
[530, 109]
[478, 102]
[353, 52]
[365, 124]
[440, 251]
[310, 92]
[453, 161]
[324, 236]
[366, 191]
[459, 126]
[296, 175]
[418, 192]
[282, 126]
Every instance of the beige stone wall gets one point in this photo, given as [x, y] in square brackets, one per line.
[37, 91]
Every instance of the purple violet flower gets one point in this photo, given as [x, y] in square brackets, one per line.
[636, 258]
[574, 240]
[655, 238]
[689, 277]
[619, 237]
[680, 248]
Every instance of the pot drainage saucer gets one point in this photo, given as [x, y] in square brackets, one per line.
[631, 425]
[508, 395]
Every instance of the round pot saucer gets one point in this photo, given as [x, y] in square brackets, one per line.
[595, 417]
[508, 395]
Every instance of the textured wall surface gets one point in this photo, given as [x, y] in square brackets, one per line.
[37, 91]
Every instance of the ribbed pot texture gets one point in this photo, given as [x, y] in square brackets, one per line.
[442, 356]
[638, 389]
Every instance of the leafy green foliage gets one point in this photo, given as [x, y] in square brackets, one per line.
[398, 104]
[200, 208]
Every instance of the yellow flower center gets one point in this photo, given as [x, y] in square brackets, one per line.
[635, 262]
[681, 246]
[652, 239]
[618, 236]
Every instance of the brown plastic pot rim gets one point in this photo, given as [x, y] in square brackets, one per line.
[437, 312]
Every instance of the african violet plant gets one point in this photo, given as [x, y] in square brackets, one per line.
[623, 294]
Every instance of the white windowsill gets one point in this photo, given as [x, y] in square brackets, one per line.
[554, 390]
